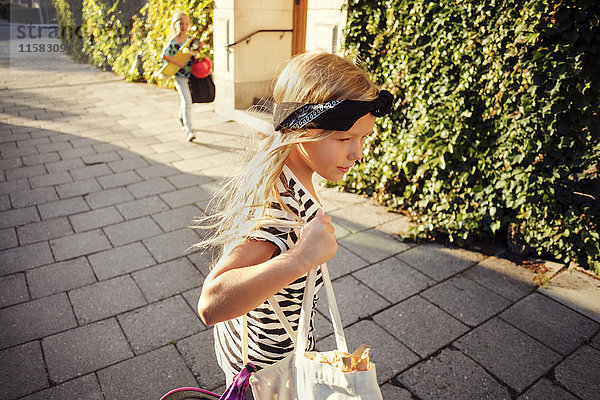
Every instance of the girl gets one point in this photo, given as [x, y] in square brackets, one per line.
[180, 23]
[269, 224]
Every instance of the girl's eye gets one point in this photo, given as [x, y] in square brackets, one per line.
[343, 139]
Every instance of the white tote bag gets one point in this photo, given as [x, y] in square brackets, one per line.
[299, 378]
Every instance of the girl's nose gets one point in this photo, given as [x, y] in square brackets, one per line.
[355, 154]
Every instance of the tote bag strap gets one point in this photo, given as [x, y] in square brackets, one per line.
[282, 318]
[305, 312]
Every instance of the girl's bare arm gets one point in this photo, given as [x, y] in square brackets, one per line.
[249, 276]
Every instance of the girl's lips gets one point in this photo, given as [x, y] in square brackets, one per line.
[344, 169]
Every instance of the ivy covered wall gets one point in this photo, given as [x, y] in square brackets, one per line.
[497, 123]
[127, 36]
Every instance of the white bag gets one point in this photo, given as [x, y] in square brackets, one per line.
[299, 378]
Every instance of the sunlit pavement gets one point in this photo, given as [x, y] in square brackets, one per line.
[98, 187]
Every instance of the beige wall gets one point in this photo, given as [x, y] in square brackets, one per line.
[325, 22]
[247, 69]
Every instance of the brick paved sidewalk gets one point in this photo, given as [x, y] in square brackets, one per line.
[97, 293]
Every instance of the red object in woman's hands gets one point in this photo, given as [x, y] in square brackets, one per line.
[201, 69]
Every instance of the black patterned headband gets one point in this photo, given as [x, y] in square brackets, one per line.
[337, 115]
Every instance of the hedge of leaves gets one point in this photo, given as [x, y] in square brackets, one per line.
[116, 36]
[497, 122]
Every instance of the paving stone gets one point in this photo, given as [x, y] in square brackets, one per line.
[119, 179]
[105, 299]
[398, 227]
[18, 217]
[131, 231]
[420, 325]
[84, 388]
[13, 290]
[108, 197]
[22, 371]
[95, 219]
[580, 373]
[106, 148]
[503, 277]
[575, 289]
[23, 258]
[439, 262]
[340, 230]
[545, 390]
[32, 197]
[323, 327]
[76, 153]
[515, 358]
[79, 351]
[389, 355]
[91, 171]
[14, 186]
[466, 300]
[333, 199]
[64, 165]
[79, 244]
[389, 391]
[159, 324]
[365, 215]
[8, 238]
[35, 319]
[181, 181]
[37, 159]
[62, 208]
[25, 172]
[36, 140]
[120, 260]
[168, 279]
[171, 245]
[192, 296]
[82, 141]
[178, 218]
[4, 199]
[186, 196]
[143, 207]
[452, 375]
[78, 188]
[104, 157]
[54, 147]
[60, 277]
[128, 164]
[393, 279]
[156, 171]
[148, 376]
[551, 323]
[57, 178]
[355, 300]
[203, 261]
[344, 262]
[198, 351]
[373, 245]
[150, 188]
[10, 163]
[44, 230]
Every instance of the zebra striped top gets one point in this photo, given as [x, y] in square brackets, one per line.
[268, 341]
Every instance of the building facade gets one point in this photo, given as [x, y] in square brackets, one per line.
[252, 38]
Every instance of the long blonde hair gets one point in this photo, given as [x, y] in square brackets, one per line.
[315, 77]
[175, 27]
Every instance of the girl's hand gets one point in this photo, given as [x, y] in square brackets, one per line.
[316, 243]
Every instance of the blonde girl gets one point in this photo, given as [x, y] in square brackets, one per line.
[269, 225]
[180, 23]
